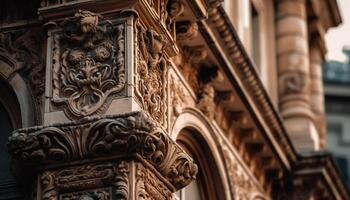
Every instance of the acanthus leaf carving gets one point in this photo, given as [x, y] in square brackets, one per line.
[177, 97]
[122, 135]
[88, 64]
[206, 102]
[148, 186]
[241, 184]
[122, 181]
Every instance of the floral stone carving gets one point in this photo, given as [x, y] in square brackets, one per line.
[88, 61]
[123, 135]
[151, 74]
[96, 181]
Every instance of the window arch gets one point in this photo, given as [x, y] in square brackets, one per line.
[10, 119]
[208, 185]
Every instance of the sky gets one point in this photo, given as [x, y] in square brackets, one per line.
[338, 37]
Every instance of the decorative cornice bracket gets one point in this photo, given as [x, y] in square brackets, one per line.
[130, 134]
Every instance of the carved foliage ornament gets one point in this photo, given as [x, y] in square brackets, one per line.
[86, 179]
[128, 135]
[242, 186]
[22, 50]
[151, 74]
[148, 185]
[88, 61]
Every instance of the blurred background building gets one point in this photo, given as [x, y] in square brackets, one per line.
[337, 94]
[337, 87]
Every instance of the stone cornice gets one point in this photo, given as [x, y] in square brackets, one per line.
[251, 80]
[253, 85]
[334, 12]
[118, 135]
[322, 166]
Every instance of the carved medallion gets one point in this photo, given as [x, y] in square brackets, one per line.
[88, 61]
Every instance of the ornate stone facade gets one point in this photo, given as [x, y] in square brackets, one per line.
[151, 99]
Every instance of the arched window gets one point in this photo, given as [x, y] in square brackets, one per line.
[208, 185]
[10, 119]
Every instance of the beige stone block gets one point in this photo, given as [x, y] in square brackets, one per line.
[315, 70]
[303, 133]
[317, 104]
[291, 25]
[293, 61]
[294, 7]
[316, 85]
[292, 43]
[295, 104]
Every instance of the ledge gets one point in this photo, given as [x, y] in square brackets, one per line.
[96, 138]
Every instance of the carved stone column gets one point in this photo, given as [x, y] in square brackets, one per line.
[105, 106]
[293, 73]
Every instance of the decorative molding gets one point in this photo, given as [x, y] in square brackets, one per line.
[186, 30]
[148, 185]
[97, 194]
[22, 50]
[245, 69]
[177, 96]
[206, 101]
[85, 179]
[175, 9]
[151, 81]
[127, 135]
[242, 187]
[88, 64]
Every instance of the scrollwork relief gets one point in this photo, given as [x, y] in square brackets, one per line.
[149, 187]
[55, 184]
[129, 135]
[151, 74]
[206, 101]
[122, 180]
[177, 97]
[186, 30]
[242, 186]
[189, 64]
[23, 50]
[98, 194]
[88, 61]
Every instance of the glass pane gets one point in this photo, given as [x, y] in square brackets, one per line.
[6, 128]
